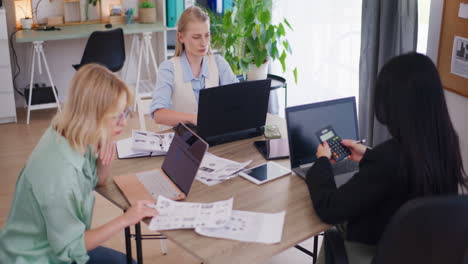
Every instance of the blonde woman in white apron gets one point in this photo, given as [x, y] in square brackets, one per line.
[193, 68]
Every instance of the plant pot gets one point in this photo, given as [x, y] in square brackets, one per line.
[147, 15]
[26, 23]
[257, 73]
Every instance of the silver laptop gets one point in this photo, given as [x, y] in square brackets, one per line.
[305, 120]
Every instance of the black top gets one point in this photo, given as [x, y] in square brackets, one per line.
[368, 200]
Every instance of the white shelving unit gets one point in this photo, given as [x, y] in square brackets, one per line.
[7, 98]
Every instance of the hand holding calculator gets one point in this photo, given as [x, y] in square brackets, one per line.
[339, 151]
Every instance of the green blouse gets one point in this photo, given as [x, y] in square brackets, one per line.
[52, 206]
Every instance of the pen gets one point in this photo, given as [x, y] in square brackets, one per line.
[362, 141]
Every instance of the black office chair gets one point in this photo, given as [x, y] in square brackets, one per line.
[424, 230]
[106, 48]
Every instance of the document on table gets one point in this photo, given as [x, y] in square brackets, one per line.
[249, 227]
[150, 141]
[144, 144]
[178, 215]
[214, 170]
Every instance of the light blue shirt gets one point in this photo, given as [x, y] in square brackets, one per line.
[162, 94]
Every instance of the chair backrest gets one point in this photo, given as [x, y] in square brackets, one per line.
[106, 48]
[427, 230]
[143, 108]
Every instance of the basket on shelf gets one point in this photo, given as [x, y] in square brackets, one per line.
[147, 15]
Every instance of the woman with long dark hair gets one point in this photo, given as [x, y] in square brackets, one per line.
[422, 157]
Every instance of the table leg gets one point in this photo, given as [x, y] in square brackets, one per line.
[138, 243]
[128, 245]
[34, 53]
[38, 54]
[41, 49]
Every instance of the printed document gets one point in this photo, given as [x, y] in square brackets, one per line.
[249, 227]
[177, 215]
[214, 170]
[144, 144]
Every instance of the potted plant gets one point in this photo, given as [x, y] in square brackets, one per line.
[26, 22]
[147, 12]
[248, 39]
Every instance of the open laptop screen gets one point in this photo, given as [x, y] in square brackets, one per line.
[184, 157]
[305, 120]
[233, 107]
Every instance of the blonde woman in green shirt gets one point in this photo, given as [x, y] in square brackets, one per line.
[50, 218]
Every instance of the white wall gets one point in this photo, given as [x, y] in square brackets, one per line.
[458, 105]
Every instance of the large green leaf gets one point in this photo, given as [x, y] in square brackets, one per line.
[281, 31]
[260, 57]
[287, 46]
[265, 17]
[287, 23]
[282, 59]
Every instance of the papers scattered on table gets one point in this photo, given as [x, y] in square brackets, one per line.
[143, 144]
[214, 170]
[218, 220]
[249, 227]
[177, 215]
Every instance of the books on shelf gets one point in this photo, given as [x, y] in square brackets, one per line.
[144, 144]
[174, 9]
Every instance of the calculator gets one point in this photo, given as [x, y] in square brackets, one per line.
[339, 151]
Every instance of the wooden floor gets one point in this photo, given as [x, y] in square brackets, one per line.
[17, 142]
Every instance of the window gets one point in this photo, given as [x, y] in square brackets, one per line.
[326, 46]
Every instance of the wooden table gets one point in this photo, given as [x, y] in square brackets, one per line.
[288, 193]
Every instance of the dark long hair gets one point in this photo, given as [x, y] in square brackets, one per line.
[410, 101]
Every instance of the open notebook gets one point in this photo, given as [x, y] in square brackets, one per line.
[144, 144]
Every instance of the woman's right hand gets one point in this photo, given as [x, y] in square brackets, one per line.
[139, 211]
[357, 149]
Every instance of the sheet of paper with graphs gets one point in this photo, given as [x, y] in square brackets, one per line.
[214, 169]
[218, 220]
[177, 215]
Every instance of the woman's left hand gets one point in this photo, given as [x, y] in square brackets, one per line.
[323, 150]
[106, 153]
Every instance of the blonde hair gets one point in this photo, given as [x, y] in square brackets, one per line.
[190, 14]
[92, 98]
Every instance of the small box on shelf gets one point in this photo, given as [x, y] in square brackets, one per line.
[55, 20]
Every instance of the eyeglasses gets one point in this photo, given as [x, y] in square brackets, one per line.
[125, 114]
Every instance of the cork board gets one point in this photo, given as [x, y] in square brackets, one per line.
[452, 25]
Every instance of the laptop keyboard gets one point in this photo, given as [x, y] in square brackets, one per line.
[342, 170]
[158, 184]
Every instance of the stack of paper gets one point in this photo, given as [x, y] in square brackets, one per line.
[143, 144]
[218, 220]
[214, 170]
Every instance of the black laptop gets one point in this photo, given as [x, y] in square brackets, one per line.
[232, 112]
[302, 123]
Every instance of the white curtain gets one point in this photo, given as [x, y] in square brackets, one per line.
[325, 42]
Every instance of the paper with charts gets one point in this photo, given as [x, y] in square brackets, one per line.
[249, 227]
[178, 215]
[150, 141]
[214, 170]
